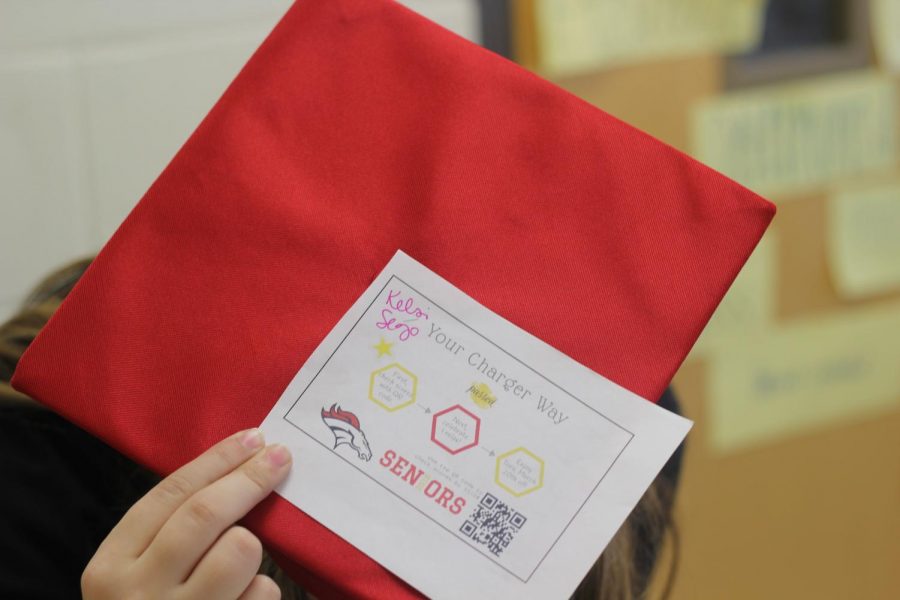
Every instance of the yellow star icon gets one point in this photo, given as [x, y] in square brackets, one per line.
[383, 347]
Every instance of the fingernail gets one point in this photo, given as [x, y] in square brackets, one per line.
[252, 439]
[278, 455]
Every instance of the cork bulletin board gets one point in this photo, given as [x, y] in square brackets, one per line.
[791, 481]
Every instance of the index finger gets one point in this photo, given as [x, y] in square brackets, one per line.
[188, 535]
[133, 534]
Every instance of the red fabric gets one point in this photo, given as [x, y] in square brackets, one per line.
[359, 127]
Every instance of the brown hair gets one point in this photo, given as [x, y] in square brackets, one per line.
[18, 332]
[624, 570]
[622, 573]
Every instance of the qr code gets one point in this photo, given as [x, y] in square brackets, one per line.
[493, 524]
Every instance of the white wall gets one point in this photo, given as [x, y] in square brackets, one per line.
[97, 95]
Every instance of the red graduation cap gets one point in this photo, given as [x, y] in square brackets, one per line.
[358, 128]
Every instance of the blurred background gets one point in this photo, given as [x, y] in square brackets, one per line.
[791, 487]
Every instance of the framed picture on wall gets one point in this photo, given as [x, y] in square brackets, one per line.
[804, 37]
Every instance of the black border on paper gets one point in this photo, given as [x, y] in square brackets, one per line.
[453, 533]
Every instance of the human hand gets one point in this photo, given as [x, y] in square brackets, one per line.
[180, 541]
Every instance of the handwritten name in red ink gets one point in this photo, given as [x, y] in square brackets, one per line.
[400, 307]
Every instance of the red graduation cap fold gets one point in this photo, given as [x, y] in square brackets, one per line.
[358, 128]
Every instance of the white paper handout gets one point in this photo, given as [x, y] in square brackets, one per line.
[465, 455]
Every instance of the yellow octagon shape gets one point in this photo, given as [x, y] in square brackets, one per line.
[537, 459]
[382, 403]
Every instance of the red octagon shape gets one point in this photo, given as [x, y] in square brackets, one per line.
[466, 415]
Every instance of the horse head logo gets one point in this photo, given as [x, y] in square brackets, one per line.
[345, 427]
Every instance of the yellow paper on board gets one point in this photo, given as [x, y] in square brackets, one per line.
[886, 32]
[796, 137]
[864, 240]
[805, 376]
[749, 305]
[578, 35]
